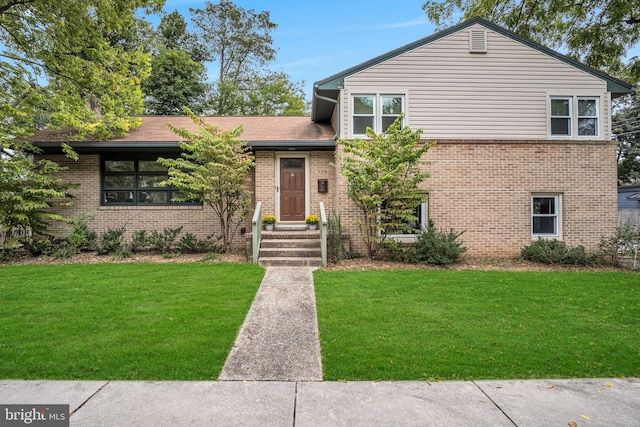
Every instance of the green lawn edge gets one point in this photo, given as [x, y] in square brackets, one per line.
[465, 325]
[122, 321]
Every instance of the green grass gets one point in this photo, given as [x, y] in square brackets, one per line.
[122, 321]
[411, 325]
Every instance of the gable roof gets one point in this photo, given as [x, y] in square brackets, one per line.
[326, 90]
[260, 132]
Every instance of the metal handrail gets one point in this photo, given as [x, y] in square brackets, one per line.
[323, 234]
[256, 232]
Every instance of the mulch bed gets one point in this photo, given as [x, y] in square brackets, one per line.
[468, 263]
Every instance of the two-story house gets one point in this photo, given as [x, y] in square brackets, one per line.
[523, 150]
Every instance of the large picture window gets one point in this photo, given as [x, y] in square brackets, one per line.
[375, 111]
[131, 182]
[545, 215]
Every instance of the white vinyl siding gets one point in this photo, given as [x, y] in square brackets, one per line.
[454, 94]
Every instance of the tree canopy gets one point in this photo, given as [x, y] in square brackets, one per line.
[626, 128]
[236, 39]
[63, 63]
[599, 33]
[176, 81]
[237, 45]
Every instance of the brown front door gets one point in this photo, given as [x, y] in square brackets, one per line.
[292, 189]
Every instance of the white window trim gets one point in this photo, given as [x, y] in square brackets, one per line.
[597, 116]
[598, 97]
[558, 216]
[377, 109]
[353, 111]
[570, 116]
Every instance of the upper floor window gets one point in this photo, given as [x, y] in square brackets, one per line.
[363, 113]
[133, 181]
[561, 116]
[574, 116]
[377, 112]
[587, 116]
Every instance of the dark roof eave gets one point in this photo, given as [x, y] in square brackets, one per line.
[113, 147]
[109, 147]
[292, 145]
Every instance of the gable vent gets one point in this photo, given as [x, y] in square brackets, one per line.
[477, 41]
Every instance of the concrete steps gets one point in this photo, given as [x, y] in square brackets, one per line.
[286, 248]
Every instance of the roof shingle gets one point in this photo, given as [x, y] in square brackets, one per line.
[256, 128]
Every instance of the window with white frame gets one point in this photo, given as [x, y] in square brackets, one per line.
[545, 215]
[561, 116]
[391, 110]
[363, 113]
[375, 111]
[571, 115]
[587, 116]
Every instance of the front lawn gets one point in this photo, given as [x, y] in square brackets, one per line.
[417, 324]
[122, 321]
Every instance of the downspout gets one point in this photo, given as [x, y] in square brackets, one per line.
[333, 101]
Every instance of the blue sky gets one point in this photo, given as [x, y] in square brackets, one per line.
[318, 38]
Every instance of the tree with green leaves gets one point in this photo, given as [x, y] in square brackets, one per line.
[383, 177]
[214, 169]
[176, 81]
[63, 63]
[239, 43]
[178, 78]
[598, 33]
[172, 31]
[267, 94]
[29, 192]
[236, 39]
[626, 128]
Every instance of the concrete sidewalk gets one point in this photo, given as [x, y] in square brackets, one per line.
[279, 338]
[592, 402]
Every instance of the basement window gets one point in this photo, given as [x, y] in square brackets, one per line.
[545, 215]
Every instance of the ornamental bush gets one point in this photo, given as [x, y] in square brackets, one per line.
[552, 251]
[432, 246]
[436, 247]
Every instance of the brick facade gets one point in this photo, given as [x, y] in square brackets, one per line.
[199, 220]
[320, 168]
[485, 189]
[481, 187]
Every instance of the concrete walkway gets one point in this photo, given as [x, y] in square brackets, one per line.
[592, 402]
[279, 338]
